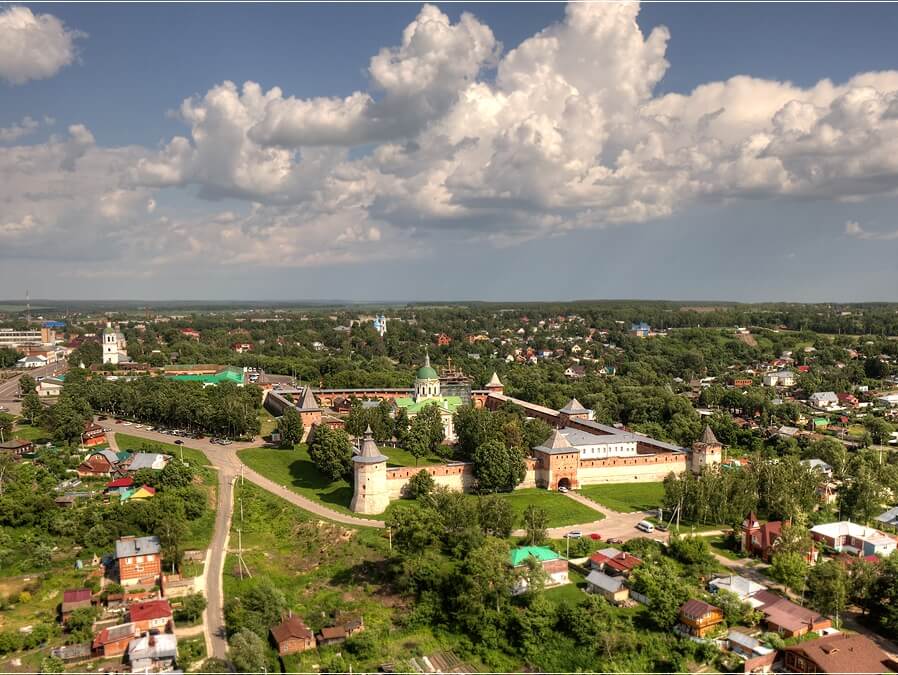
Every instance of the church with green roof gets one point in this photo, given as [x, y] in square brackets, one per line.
[427, 392]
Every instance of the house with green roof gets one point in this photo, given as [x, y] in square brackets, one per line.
[228, 374]
[554, 566]
[427, 392]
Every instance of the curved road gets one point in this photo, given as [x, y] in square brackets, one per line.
[224, 459]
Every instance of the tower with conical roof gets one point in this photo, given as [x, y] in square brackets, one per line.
[495, 384]
[369, 467]
[707, 451]
[427, 381]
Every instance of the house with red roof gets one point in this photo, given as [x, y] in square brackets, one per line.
[786, 618]
[118, 486]
[838, 654]
[153, 614]
[758, 539]
[113, 641]
[614, 562]
[292, 636]
[93, 435]
[72, 599]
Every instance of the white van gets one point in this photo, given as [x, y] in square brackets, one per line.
[645, 526]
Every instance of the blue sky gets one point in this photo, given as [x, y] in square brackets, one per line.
[455, 171]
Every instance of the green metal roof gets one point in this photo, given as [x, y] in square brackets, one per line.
[227, 375]
[518, 555]
[412, 406]
[427, 373]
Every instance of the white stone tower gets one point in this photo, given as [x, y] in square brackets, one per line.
[707, 451]
[110, 344]
[369, 467]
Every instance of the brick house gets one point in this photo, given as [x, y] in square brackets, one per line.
[153, 614]
[93, 435]
[291, 636]
[786, 618]
[113, 641]
[614, 562]
[102, 463]
[139, 560]
[344, 628]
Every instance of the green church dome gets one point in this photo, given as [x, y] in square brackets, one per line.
[425, 372]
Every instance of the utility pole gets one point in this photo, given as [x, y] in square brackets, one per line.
[390, 534]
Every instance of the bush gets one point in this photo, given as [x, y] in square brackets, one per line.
[420, 485]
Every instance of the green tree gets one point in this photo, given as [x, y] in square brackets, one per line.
[790, 569]
[879, 429]
[401, 426]
[665, 589]
[52, 664]
[192, 607]
[290, 428]
[536, 520]
[497, 516]
[497, 467]
[6, 424]
[26, 384]
[247, 652]
[32, 409]
[420, 485]
[828, 588]
[331, 452]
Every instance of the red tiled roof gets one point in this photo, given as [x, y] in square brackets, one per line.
[152, 609]
[622, 562]
[785, 613]
[120, 482]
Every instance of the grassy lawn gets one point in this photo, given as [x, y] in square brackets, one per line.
[267, 422]
[323, 568]
[400, 457]
[569, 594]
[719, 545]
[294, 469]
[626, 497]
[190, 651]
[562, 510]
[30, 433]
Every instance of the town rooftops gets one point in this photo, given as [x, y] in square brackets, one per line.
[494, 381]
[708, 437]
[144, 650]
[127, 547]
[845, 654]
[334, 632]
[741, 586]
[518, 555]
[605, 582]
[125, 482]
[291, 628]
[150, 610]
[15, 444]
[785, 613]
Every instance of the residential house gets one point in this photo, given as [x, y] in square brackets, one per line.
[575, 372]
[191, 333]
[740, 586]
[16, 447]
[699, 618]
[759, 539]
[93, 435]
[443, 340]
[741, 381]
[788, 619]
[553, 564]
[151, 615]
[139, 560]
[779, 378]
[889, 517]
[49, 387]
[102, 463]
[641, 329]
[819, 465]
[847, 400]
[745, 645]
[344, 628]
[141, 493]
[887, 400]
[824, 399]
[848, 537]
[72, 599]
[614, 562]
[119, 486]
[613, 589]
[153, 653]
[113, 641]
[147, 460]
[242, 347]
[838, 654]
[292, 636]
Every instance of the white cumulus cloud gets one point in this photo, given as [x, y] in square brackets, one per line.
[33, 46]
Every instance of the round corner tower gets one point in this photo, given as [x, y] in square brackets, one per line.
[369, 467]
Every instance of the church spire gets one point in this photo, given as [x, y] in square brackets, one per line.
[426, 357]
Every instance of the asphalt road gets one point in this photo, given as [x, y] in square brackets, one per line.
[9, 389]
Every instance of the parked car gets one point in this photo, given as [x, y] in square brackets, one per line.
[562, 489]
[574, 534]
[615, 540]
